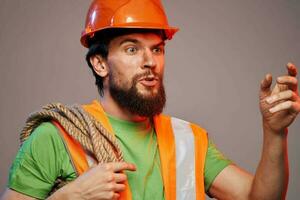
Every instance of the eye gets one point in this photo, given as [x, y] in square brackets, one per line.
[131, 50]
[158, 50]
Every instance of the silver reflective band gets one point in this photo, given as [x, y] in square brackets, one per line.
[185, 160]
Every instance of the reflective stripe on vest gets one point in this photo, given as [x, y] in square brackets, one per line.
[182, 148]
[172, 134]
[185, 159]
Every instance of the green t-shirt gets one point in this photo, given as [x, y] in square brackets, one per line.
[43, 157]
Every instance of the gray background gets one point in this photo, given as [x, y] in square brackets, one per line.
[213, 68]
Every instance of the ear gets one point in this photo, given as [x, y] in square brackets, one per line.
[99, 65]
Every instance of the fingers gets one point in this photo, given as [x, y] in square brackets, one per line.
[292, 70]
[115, 187]
[266, 83]
[282, 106]
[290, 81]
[116, 196]
[285, 95]
[290, 98]
[117, 166]
[119, 187]
[120, 166]
[104, 181]
[109, 196]
[120, 177]
[287, 105]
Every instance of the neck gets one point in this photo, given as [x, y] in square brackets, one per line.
[111, 107]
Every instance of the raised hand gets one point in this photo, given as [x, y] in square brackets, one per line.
[280, 106]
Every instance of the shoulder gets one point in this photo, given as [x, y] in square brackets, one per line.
[39, 161]
[45, 130]
[44, 144]
[45, 135]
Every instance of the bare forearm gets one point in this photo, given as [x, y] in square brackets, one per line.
[271, 177]
[60, 194]
[69, 191]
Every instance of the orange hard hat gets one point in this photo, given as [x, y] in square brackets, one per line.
[141, 14]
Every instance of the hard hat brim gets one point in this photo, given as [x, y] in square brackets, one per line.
[88, 34]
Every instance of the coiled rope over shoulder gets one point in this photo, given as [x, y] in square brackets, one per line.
[83, 127]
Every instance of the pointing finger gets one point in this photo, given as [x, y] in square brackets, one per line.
[292, 70]
[291, 81]
[120, 166]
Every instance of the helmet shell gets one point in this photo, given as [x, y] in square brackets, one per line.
[143, 14]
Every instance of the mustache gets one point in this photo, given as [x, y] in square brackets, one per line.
[146, 74]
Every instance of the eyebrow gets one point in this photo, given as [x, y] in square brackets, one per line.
[162, 43]
[137, 41]
[129, 40]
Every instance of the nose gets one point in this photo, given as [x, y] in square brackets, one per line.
[149, 59]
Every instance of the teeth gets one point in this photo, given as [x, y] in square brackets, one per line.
[149, 79]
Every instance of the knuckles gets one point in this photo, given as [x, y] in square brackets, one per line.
[110, 177]
[123, 177]
[111, 194]
[110, 186]
[108, 166]
[293, 80]
[296, 81]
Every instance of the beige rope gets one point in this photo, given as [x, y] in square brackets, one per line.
[83, 127]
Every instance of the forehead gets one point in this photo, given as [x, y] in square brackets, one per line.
[147, 39]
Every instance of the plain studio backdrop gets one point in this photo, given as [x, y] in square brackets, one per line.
[214, 66]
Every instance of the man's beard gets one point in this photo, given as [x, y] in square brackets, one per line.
[133, 101]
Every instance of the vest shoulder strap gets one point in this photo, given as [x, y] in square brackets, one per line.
[74, 149]
[201, 145]
[182, 147]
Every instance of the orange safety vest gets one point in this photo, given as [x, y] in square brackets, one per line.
[182, 147]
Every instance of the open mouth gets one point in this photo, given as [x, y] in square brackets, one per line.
[149, 81]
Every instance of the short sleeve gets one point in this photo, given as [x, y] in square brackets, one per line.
[39, 162]
[215, 162]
